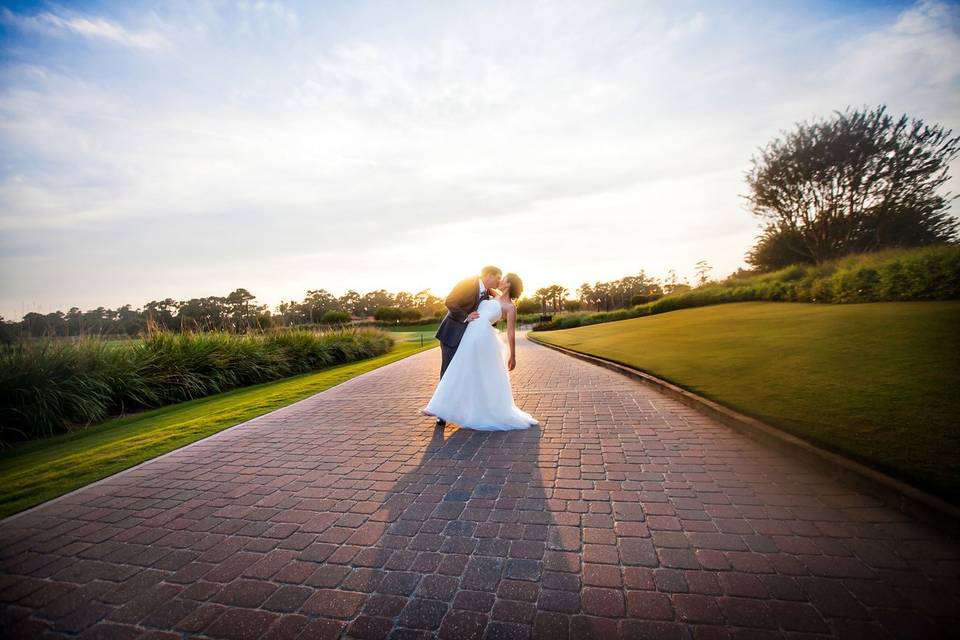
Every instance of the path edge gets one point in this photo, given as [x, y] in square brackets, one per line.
[893, 492]
[112, 476]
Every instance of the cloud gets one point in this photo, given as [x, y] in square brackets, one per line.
[353, 146]
[693, 25]
[90, 27]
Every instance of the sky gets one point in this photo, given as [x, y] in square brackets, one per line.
[185, 149]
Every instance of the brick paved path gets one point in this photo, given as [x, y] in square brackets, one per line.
[346, 515]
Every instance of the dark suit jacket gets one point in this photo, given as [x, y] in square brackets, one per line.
[462, 301]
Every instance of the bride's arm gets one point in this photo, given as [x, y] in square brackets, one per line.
[512, 337]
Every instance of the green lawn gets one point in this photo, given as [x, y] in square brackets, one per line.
[43, 469]
[414, 333]
[876, 382]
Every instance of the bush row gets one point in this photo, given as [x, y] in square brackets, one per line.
[932, 273]
[51, 386]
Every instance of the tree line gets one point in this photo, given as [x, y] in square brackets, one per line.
[603, 296]
[236, 312]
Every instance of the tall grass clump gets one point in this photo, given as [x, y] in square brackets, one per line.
[930, 273]
[51, 386]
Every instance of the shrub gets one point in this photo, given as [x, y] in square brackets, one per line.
[396, 314]
[643, 299]
[335, 317]
[51, 386]
[931, 273]
[410, 314]
[387, 314]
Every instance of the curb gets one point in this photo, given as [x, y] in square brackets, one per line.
[892, 492]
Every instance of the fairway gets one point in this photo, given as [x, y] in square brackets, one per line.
[39, 470]
[876, 382]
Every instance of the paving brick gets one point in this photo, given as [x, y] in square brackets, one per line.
[506, 631]
[561, 581]
[746, 612]
[384, 606]
[587, 627]
[513, 611]
[463, 625]
[245, 593]
[287, 599]
[241, 624]
[551, 626]
[608, 603]
[795, 616]
[400, 583]
[562, 601]
[423, 614]
[649, 605]
[332, 603]
[625, 514]
[691, 608]
[200, 618]
[482, 574]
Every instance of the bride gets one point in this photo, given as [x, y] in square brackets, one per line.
[475, 392]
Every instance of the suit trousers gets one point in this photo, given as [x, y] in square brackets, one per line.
[446, 353]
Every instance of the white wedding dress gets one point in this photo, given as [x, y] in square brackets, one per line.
[475, 390]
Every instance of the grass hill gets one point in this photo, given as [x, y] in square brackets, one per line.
[876, 382]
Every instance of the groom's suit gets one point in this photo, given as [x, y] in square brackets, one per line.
[462, 301]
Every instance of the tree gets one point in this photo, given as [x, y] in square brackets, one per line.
[778, 248]
[370, 302]
[238, 306]
[317, 303]
[602, 292]
[585, 291]
[543, 295]
[350, 302]
[527, 305]
[671, 282]
[35, 324]
[6, 331]
[555, 294]
[428, 303]
[160, 312]
[860, 181]
[702, 270]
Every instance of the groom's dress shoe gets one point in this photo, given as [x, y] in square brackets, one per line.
[441, 422]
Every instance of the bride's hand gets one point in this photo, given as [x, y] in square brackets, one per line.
[473, 316]
[512, 364]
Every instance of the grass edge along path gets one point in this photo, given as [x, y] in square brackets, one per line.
[40, 470]
[872, 382]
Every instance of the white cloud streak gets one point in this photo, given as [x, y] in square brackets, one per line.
[92, 27]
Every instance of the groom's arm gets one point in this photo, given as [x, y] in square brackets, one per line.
[461, 299]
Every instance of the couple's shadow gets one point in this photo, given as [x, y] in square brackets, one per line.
[470, 511]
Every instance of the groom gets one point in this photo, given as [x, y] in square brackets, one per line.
[462, 306]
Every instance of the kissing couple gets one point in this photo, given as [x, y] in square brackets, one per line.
[474, 389]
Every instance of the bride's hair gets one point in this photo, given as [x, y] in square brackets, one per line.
[516, 285]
